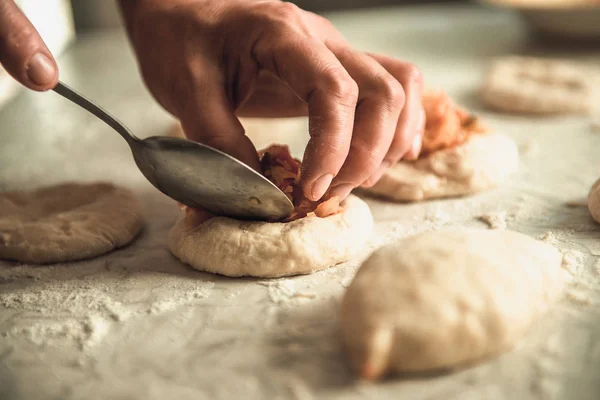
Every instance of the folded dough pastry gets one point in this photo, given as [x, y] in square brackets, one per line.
[445, 299]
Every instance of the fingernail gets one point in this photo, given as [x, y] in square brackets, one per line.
[342, 191]
[320, 186]
[40, 69]
[375, 177]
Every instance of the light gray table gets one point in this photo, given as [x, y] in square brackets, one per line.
[137, 324]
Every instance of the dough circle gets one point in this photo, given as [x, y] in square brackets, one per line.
[481, 163]
[447, 298]
[539, 86]
[593, 201]
[270, 249]
[67, 222]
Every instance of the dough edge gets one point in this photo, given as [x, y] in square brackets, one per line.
[116, 220]
[481, 163]
[268, 250]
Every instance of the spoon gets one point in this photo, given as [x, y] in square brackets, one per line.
[195, 174]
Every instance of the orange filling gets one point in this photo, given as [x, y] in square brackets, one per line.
[446, 124]
[283, 170]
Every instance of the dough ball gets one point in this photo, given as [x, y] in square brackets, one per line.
[540, 86]
[482, 163]
[67, 222]
[442, 299]
[271, 249]
[594, 201]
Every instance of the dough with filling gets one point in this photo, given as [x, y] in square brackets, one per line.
[445, 299]
[317, 235]
[481, 163]
[458, 156]
[67, 222]
[272, 249]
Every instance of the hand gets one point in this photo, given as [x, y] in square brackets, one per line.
[22, 51]
[208, 62]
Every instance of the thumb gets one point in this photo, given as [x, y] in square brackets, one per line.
[210, 120]
[22, 51]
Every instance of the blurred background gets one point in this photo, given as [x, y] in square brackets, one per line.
[61, 21]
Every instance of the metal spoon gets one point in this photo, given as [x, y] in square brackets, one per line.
[195, 174]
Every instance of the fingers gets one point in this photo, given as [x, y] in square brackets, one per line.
[412, 119]
[208, 117]
[316, 76]
[22, 51]
[272, 98]
[380, 101]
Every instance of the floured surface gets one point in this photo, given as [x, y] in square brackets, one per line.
[156, 329]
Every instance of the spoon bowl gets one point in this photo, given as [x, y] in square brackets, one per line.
[195, 174]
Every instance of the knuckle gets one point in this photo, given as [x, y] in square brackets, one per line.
[391, 90]
[288, 10]
[341, 86]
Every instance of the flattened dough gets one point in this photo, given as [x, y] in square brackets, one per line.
[593, 201]
[447, 298]
[481, 163]
[271, 249]
[67, 222]
[540, 86]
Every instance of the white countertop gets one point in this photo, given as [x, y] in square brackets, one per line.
[137, 324]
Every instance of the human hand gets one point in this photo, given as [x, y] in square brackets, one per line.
[208, 62]
[23, 53]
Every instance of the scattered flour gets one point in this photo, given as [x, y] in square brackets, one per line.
[65, 296]
[579, 297]
[439, 219]
[283, 291]
[200, 291]
[597, 267]
[496, 220]
[572, 261]
[547, 237]
[76, 309]
[86, 333]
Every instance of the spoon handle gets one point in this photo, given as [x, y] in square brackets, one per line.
[98, 111]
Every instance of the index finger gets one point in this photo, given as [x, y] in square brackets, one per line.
[23, 52]
[316, 76]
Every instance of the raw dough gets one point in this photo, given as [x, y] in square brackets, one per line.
[443, 299]
[481, 163]
[271, 249]
[67, 222]
[593, 201]
[540, 86]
